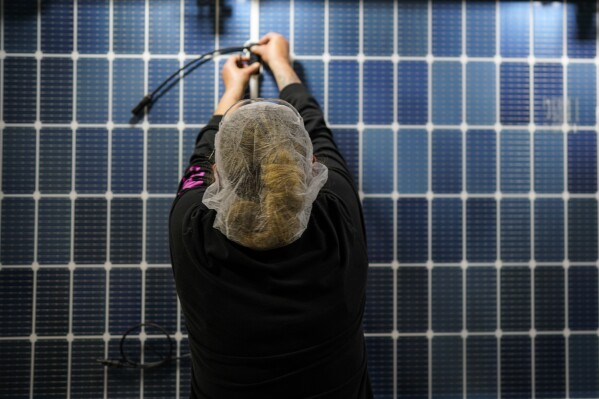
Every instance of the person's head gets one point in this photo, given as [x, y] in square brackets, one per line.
[266, 179]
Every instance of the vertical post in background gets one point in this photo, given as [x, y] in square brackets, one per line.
[254, 37]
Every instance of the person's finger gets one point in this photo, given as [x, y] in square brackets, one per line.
[231, 61]
[266, 38]
[252, 69]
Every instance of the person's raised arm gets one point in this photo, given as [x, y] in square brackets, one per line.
[274, 50]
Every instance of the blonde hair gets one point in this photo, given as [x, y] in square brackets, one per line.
[266, 179]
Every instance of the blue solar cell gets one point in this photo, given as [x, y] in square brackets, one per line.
[481, 93]
[198, 95]
[549, 298]
[481, 299]
[548, 30]
[549, 229]
[447, 230]
[447, 161]
[582, 298]
[163, 160]
[515, 230]
[54, 231]
[412, 93]
[582, 229]
[20, 77]
[515, 161]
[18, 166]
[481, 230]
[161, 298]
[17, 231]
[55, 160]
[549, 162]
[515, 93]
[343, 92]
[378, 313]
[515, 22]
[380, 366]
[125, 230]
[20, 26]
[92, 91]
[92, 27]
[447, 93]
[16, 293]
[447, 299]
[515, 299]
[125, 299]
[165, 107]
[378, 216]
[128, 88]
[412, 161]
[90, 230]
[582, 162]
[347, 142]
[89, 301]
[51, 369]
[165, 18]
[378, 92]
[412, 367]
[343, 24]
[481, 161]
[234, 23]
[128, 28]
[378, 28]
[52, 302]
[549, 103]
[127, 160]
[581, 36]
[57, 26]
[91, 161]
[309, 27]
[412, 28]
[480, 25]
[550, 364]
[164, 383]
[481, 363]
[582, 94]
[274, 17]
[199, 26]
[56, 92]
[412, 299]
[515, 367]
[412, 230]
[157, 249]
[447, 362]
[15, 375]
[583, 366]
[87, 379]
[447, 28]
[377, 162]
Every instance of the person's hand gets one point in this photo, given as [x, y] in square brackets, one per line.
[236, 74]
[273, 49]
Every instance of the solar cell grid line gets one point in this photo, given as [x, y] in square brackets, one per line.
[464, 268]
[429, 196]
[395, 265]
[498, 128]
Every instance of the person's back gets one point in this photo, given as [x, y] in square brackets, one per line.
[274, 311]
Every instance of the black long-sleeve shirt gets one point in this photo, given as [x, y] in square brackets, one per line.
[282, 323]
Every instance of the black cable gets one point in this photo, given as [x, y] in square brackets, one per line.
[148, 98]
[126, 362]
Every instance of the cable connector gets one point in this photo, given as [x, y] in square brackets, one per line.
[147, 100]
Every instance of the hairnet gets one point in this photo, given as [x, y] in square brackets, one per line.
[266, 179]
